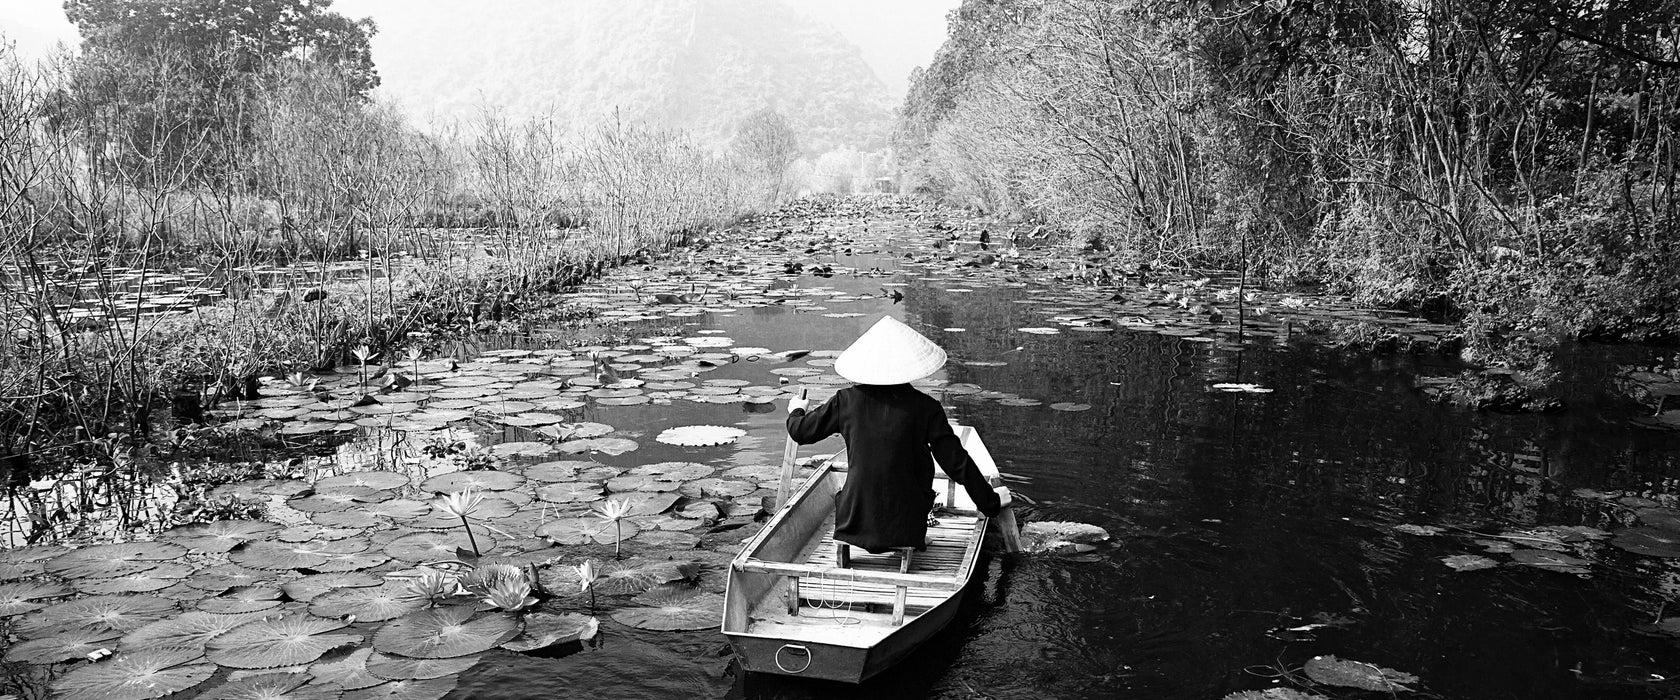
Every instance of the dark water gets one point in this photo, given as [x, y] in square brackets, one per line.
[1236, 516]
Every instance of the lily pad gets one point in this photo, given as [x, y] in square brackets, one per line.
[628, 577]
[1330, 670]
[376, 480]
[1240, 388]
[287, 641]
[274, 686]
[278, 555]
[142, 675]
[434, 689]
[481, 480]
[1273, 694]
[387, 601]
[348, 673]
[399, 509]
[700, 435]
[1551, 561]
[342, 562]
[608, 446]
[543, 630]
[103, 613]
[220, 536]
[446, 632]
[674, 471]
[19, 598]
[522, 449]
[1649, 541]
[225, 576]
[571, 492]
[70, 646]
[674, 612]
[586, 530]
[645, 503]
[112, 560]
[560, 470]
[641, 482]
[308, 588]
[1468, 562]
[437, 546]
[712, 487]
[402, 668]
[1060, 536]
[242, 599]
[190, 630]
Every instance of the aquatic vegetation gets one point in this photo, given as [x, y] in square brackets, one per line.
[614, 511]
[543, 630]
[588, 573]
[700, 435]
[285, 641]
[463, 504]
[1329, 670]
[1468, 562]
[510, 593]
[1274, 694]
[139, 675]
[446, 632]
[1061, 536]
[432, 587]
[673, 609]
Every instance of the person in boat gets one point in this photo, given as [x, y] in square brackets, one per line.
[893, 433]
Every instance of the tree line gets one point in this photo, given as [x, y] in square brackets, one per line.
[1508, 164]
[231, 136]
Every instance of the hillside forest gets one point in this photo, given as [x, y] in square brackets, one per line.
[1509, 166]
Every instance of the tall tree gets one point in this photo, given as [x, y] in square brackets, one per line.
[170, 84]
[765, 139]
[256, 32]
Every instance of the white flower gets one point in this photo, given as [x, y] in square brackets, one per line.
[586, 574]
[614, 509]
[461, 503]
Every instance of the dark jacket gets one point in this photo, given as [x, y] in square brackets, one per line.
[890, 432]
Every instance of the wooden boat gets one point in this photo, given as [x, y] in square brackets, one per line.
[790, 610]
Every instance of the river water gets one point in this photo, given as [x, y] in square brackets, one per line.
[1252, 531]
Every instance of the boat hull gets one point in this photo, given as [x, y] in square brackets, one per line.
[791, 610]
[835, 662]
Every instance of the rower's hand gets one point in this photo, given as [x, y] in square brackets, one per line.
[798, 403]
[1004, 497]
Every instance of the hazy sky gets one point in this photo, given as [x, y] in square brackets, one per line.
[894, 35]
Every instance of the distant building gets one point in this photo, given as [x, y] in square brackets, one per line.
[886, 185]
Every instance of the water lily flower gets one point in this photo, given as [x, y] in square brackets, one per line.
[433, 586]
[461, 503]
[586, 580]
[614, 511]
[510, 594]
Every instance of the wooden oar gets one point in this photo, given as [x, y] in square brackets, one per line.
[983, 461]
[1010, 531]
[788, 454]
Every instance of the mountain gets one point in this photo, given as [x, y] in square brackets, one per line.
[699, 65]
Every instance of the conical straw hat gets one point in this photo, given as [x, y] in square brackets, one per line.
[889, 353]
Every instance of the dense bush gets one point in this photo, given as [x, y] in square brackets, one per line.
[1509, 164]
[194, 152]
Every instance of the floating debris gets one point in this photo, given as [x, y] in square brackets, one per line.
[1468, 562]
[1061, 537]
[1330, 670]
